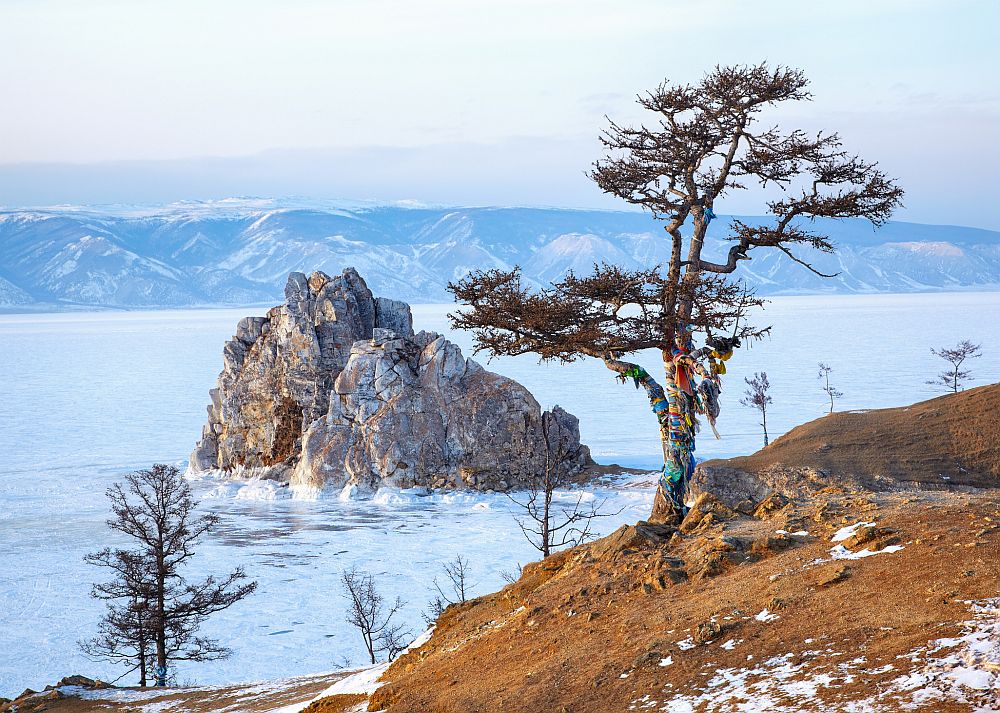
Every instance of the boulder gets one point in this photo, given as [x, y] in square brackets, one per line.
[334, 388]
[744, 490]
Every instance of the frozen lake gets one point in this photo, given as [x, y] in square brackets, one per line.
[87, 396]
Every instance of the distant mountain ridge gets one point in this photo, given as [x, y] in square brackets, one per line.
[240, 252]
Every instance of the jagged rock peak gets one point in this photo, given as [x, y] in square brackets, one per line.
[333, 387]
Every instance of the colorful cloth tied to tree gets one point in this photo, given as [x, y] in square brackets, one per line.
[674, 411]
[677, 404]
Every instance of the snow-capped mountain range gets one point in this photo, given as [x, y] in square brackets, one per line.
[239, 252]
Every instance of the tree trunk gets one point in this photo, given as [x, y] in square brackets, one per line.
[548, 485]
[676, 438]
[546, 537]
[160, 628]
[143, 653]
[668, 505]
[763, 417]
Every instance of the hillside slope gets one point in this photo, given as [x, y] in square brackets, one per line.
[949, 442]
[738, 613]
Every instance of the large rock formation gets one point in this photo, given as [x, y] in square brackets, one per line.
[333, 387]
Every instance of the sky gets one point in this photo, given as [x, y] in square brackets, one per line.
[462, 101]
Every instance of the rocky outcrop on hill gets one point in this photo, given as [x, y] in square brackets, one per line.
[948, 443]
[333, 387]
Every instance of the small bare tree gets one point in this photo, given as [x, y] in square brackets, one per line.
[824, 375]
[756, 396]
[953, 378]
[454, 592]
[372, 617]
[154, 613]
[546, 526]
[511, 576]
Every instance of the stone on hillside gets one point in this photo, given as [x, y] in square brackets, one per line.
[706, 511]
[334, 388]
[742, 490]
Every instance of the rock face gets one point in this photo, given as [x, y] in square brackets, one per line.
[334, 388]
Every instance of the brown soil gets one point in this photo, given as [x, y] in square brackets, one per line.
[588, 629]
[947, 441]
[340, 703]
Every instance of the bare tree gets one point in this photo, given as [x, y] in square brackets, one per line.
[372, 617]
[824, 375]
[125, 633]
[756, 396]
[705, 143]
[454, 592]
[154, 613]
[953, 378]
[511, 576]
[548, 526]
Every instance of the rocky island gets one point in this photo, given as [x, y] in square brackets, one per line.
[334, 388]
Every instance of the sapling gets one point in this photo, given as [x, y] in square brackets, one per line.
[831, 392]
[756, 396]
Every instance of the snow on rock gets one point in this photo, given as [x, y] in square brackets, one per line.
[845, 532]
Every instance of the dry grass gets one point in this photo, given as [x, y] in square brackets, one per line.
[948, 441]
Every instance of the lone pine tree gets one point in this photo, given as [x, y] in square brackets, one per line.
[706, 143]
[153, 612]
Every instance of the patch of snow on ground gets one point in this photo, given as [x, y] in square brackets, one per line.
[842, 553]
[970, 670]
[782, 684]
[362, 681]
[117, 695]
[766, 615]
[420, 640]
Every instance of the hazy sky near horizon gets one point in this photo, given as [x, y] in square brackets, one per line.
[464, 101]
